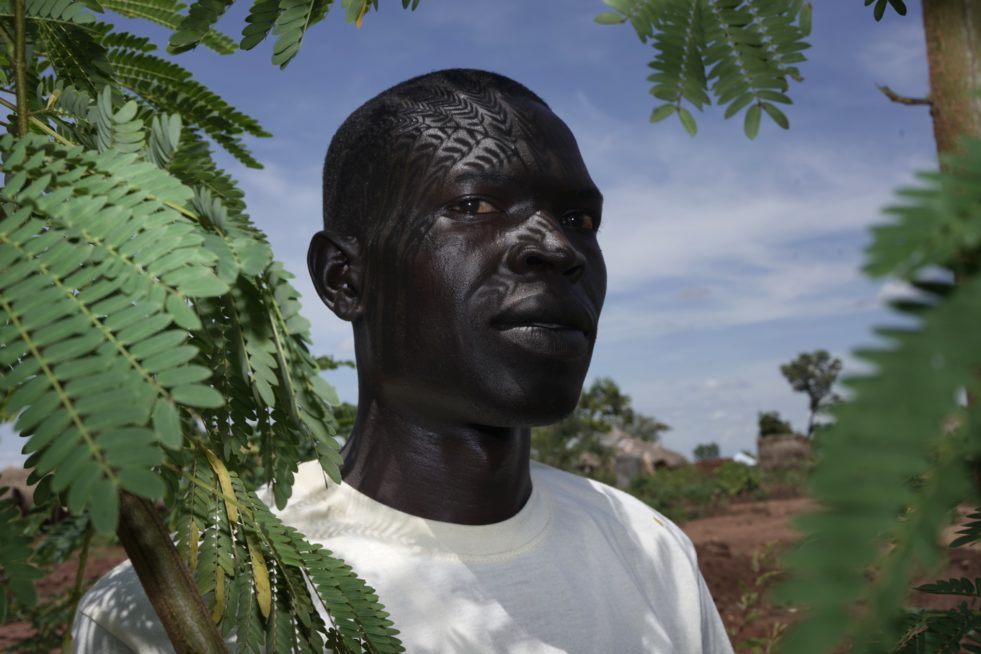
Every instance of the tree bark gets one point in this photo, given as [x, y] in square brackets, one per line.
[165, 578]
[953, 41]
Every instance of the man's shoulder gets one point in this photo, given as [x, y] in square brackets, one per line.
[607, 505]
[310, 485]
[116, 615]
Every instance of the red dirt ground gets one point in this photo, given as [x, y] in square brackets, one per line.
[726, 544]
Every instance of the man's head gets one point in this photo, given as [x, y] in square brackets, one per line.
[459, 239]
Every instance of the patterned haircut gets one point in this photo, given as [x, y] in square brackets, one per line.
[407, 136]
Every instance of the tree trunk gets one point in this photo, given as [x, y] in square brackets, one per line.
[953, 41]
[166, 579]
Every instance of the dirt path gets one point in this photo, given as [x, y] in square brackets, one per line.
[748, 526]
[737, 554]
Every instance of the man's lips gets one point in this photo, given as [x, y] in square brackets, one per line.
[548, 324]
[545, 311]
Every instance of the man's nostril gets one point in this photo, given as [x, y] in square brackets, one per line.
[535, 261]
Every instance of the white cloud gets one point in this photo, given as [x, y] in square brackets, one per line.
[895, 58]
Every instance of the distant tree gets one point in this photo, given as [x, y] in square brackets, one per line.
[602, 407]
[327, 362]
[646, 428]
[813, 373]
[771, 423]
[706, 451]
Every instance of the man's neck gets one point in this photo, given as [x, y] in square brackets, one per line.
[461, 474]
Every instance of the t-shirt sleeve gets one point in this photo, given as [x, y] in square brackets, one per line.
[115, 616]
[90, 636]
[715, 640]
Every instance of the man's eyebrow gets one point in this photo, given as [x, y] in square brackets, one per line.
[584, 193]
[496, 177]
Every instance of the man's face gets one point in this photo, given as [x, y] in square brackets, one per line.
[485, 287]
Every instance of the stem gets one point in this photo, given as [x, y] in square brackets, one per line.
[902, 99]
[953, 42]
[66, 644]
[20, 65]
[40, 124]
[166, 579]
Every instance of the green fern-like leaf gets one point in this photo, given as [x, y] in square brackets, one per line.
[899, 6]
[197, 24]
[167, 13]
[170, 88]
[17, 575]
[953, 586]
[120, 130]
[970, 532]
[927, 365]
[741, 52]
[88, 300]
[259, 22]
[291, 25]
[125, 40]
[939, 220]
[678, 40]
[941, 632]
[353, 607]
[59, 11]
[75, 54]
[165, 137]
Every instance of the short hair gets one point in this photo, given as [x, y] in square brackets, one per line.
[362, 159]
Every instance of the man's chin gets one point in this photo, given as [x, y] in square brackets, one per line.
[538, 410]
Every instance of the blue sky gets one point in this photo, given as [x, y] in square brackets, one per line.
[726, 256]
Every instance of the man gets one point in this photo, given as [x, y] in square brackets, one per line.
[460, 240]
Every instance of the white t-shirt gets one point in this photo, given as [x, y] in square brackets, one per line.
[582, 567]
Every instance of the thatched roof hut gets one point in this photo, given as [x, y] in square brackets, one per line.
[633, 457]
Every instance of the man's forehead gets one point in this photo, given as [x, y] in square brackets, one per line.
[482, 132]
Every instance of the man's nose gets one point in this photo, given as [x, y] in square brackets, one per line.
[542, 246]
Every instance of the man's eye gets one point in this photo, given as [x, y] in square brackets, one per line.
[473, 207]
[579, 220]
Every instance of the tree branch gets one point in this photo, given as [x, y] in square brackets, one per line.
[20, 65]
[902, 99]
[166, 579]
[67, 645]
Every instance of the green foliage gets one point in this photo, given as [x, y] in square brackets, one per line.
[737, 478]
[942, 632]
[88, 299]
[899, 6]
[770, 423]
[877, 528]
[706, 451]
[680, 494]
[970, 532]
[17, 575]
[813, 373]
[167, 13]
[602, 407]
[237, 549]
[936, 224]
[149, 343]
[288, 20]
[741, 53]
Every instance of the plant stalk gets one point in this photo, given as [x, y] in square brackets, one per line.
[953, 42]
[20, 65]
[165, 578]
[83, 557]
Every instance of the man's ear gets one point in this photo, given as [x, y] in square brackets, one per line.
[335, 267]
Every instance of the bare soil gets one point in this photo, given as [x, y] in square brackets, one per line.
[737, 552]
[727, 545]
